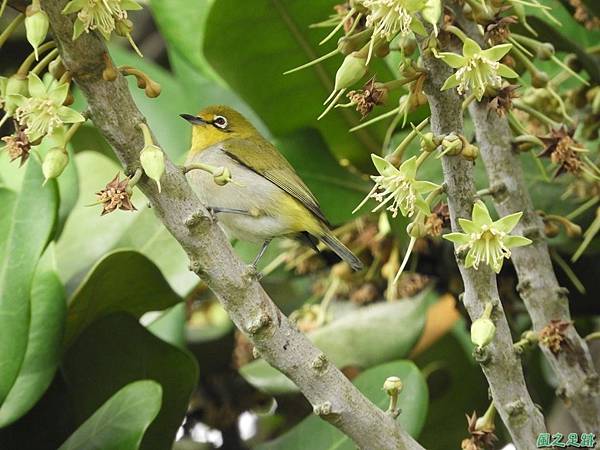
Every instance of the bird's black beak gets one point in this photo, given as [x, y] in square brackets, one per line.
[194, 120]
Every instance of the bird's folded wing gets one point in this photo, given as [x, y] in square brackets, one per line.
[264, 159]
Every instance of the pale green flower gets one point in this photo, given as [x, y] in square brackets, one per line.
[100, 15]
[43, 111]
[390, 17]
[477, 68]
[398, 188]
[487, 241]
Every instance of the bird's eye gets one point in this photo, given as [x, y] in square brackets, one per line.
[220, 122]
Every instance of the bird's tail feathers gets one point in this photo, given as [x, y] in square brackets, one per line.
[341, 250]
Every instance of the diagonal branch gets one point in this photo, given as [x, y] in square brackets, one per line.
[114, 113]
[544, 299]
[502, 368]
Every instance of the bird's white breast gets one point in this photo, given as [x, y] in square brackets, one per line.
[250, 192]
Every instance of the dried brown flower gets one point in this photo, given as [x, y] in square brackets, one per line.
[497, 31]
[371, 94]
[410, 284]
[582, 15]
[480, 439]
[553, 335]
[501, 103]
[562, 151]
[342, 10]
[116, 195]
[17, 146]
[437, 220]
[366, 293]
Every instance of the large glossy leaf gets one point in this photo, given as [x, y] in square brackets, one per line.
[120, 423]
[337, 190]
[48, 309]
[24, 231]
[181, 24]
[251, 44]
[117, 350]
[79, 248]
[363, 338]
[315, 433]
[122, 281]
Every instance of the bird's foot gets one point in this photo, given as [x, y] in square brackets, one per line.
[251, 273]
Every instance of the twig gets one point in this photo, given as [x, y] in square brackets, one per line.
[116, 116]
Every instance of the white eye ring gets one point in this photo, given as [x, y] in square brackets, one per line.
[220, 122]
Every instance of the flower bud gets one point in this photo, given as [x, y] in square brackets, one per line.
[36, 26]
[470, 152]
[123, 27]
[551, 229]
[15, 85]
[54, 163]
[482, 332]
[56, 68]
[416, 229]
[452, 145]
[392, 385]
[152, 89]
[223, 176]
[152, 159]
[352, 70]
[545, 51]
[539, 79]
[428, 142]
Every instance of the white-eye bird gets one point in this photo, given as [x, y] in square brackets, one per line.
[267, 198]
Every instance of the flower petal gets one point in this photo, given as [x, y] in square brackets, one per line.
[481, 215]
[457, 238]
[454, 60]
[422, 205]
[497, 52]
[468, 226]
[58, 94]
[451, 82]
[409, 168]
[130, 5]
[470, 48]
[68, 115]
[417, 27]
[73, 6]
[383, 166]
[506, 72]
[423, 187]
[515, 241]
[78, 28]
[36, 86]
[507, 223]
[470, 259]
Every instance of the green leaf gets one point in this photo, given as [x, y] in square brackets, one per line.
[24, 231]
[120, 423]
[281, 40]
[315, 433]
[362, 338]
[116, 350]
[181, 24]
[123, 281]
[337, 190]
[48, 310]
[170, 326]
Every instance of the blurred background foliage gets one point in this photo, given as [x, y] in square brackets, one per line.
[104, 302]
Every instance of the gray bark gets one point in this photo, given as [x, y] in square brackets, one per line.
[501, 366]
[114, 113]
[538, 287]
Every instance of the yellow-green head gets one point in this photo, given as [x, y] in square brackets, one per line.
[218, 123]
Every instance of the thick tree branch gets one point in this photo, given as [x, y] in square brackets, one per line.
[114, 113]
[538, 287]
[502, 368]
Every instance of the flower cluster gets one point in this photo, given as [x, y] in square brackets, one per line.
[487, 241]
